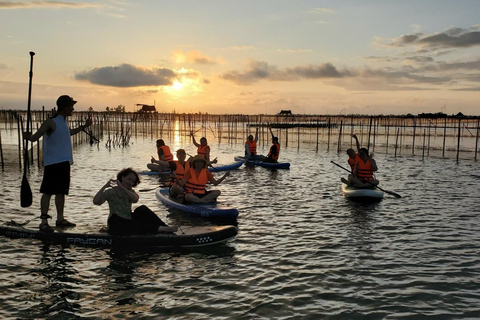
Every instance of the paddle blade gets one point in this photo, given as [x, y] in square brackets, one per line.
[25, 193]
[396, 195]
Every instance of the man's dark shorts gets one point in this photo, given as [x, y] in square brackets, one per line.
[56, 178]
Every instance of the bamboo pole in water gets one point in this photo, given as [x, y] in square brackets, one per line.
[328, 135]
[340, 138]
[414, 132]
[396, 142]
[298, 139]
[1, 151]
[476, 140]
[444, 138]
[423, 147]
[458, 143]
[388, 135]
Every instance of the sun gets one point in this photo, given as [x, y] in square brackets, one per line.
[177, 85]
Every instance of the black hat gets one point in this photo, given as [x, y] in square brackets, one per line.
[64, 101]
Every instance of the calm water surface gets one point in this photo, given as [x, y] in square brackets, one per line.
[302, 252]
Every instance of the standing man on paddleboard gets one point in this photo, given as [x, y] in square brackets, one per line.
[57, 158]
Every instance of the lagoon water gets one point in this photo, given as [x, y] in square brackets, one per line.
[302, 250]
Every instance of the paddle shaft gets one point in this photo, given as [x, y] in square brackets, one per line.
[25, 190]
[386, 191]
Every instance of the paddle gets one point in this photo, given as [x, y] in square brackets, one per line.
[173, 167]
[25, 190]
[396, 195]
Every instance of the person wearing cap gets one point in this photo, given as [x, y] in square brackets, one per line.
[196, 179]
[57, 158]
[274, 152]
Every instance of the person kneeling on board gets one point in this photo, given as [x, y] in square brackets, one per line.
[120, 195]
[195, 181]
[164, 155]
[362, 176]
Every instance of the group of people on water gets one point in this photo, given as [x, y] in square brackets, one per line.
[189, 177]
[362, 167]
[251, 149]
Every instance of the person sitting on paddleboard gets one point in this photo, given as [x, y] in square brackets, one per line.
[196, 179]
[164, 155]
[274, 153]
[251, 148]
[203, 149]
[180, 166]
[120, 195]
[353, 157]
[363, 171]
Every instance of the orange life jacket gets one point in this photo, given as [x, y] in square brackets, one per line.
[202, 150]
[352, 161]
[197, 182]
[180, 172]
[365, 170]
[252, 146]
[271, 154]
[166, 153]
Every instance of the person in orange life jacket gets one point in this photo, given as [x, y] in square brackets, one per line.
[57, 158]
[251, 148]
[274, 152]
[195, 180]
[363, 171]
[164, 155]
[120, 195]
[203, 149]
[353, 157]
[180, 167]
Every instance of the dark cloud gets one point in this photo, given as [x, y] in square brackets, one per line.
[418, 59]
[127, 75]
[259, 70]
[450, 38]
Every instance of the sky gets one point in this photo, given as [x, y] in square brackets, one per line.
[390, 57]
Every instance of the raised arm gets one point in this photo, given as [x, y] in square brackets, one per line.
[99, 197]
[354, 136]
[132, 195]
[87, 124]
[193, 139]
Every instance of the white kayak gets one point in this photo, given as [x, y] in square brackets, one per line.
[359, 194]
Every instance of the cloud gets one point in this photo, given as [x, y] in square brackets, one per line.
[237, 48]
[192, 57]
[45, 4]
[127, 75]
[321, 10]
[259, 70]
[451, 38]
[294, 50]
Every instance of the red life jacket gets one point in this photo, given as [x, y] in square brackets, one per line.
[352, 161]
[180, 172]
[166, 153]
[252, 147]
[197, 182]
[202, 150]
[365, 170]
[274, 155]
